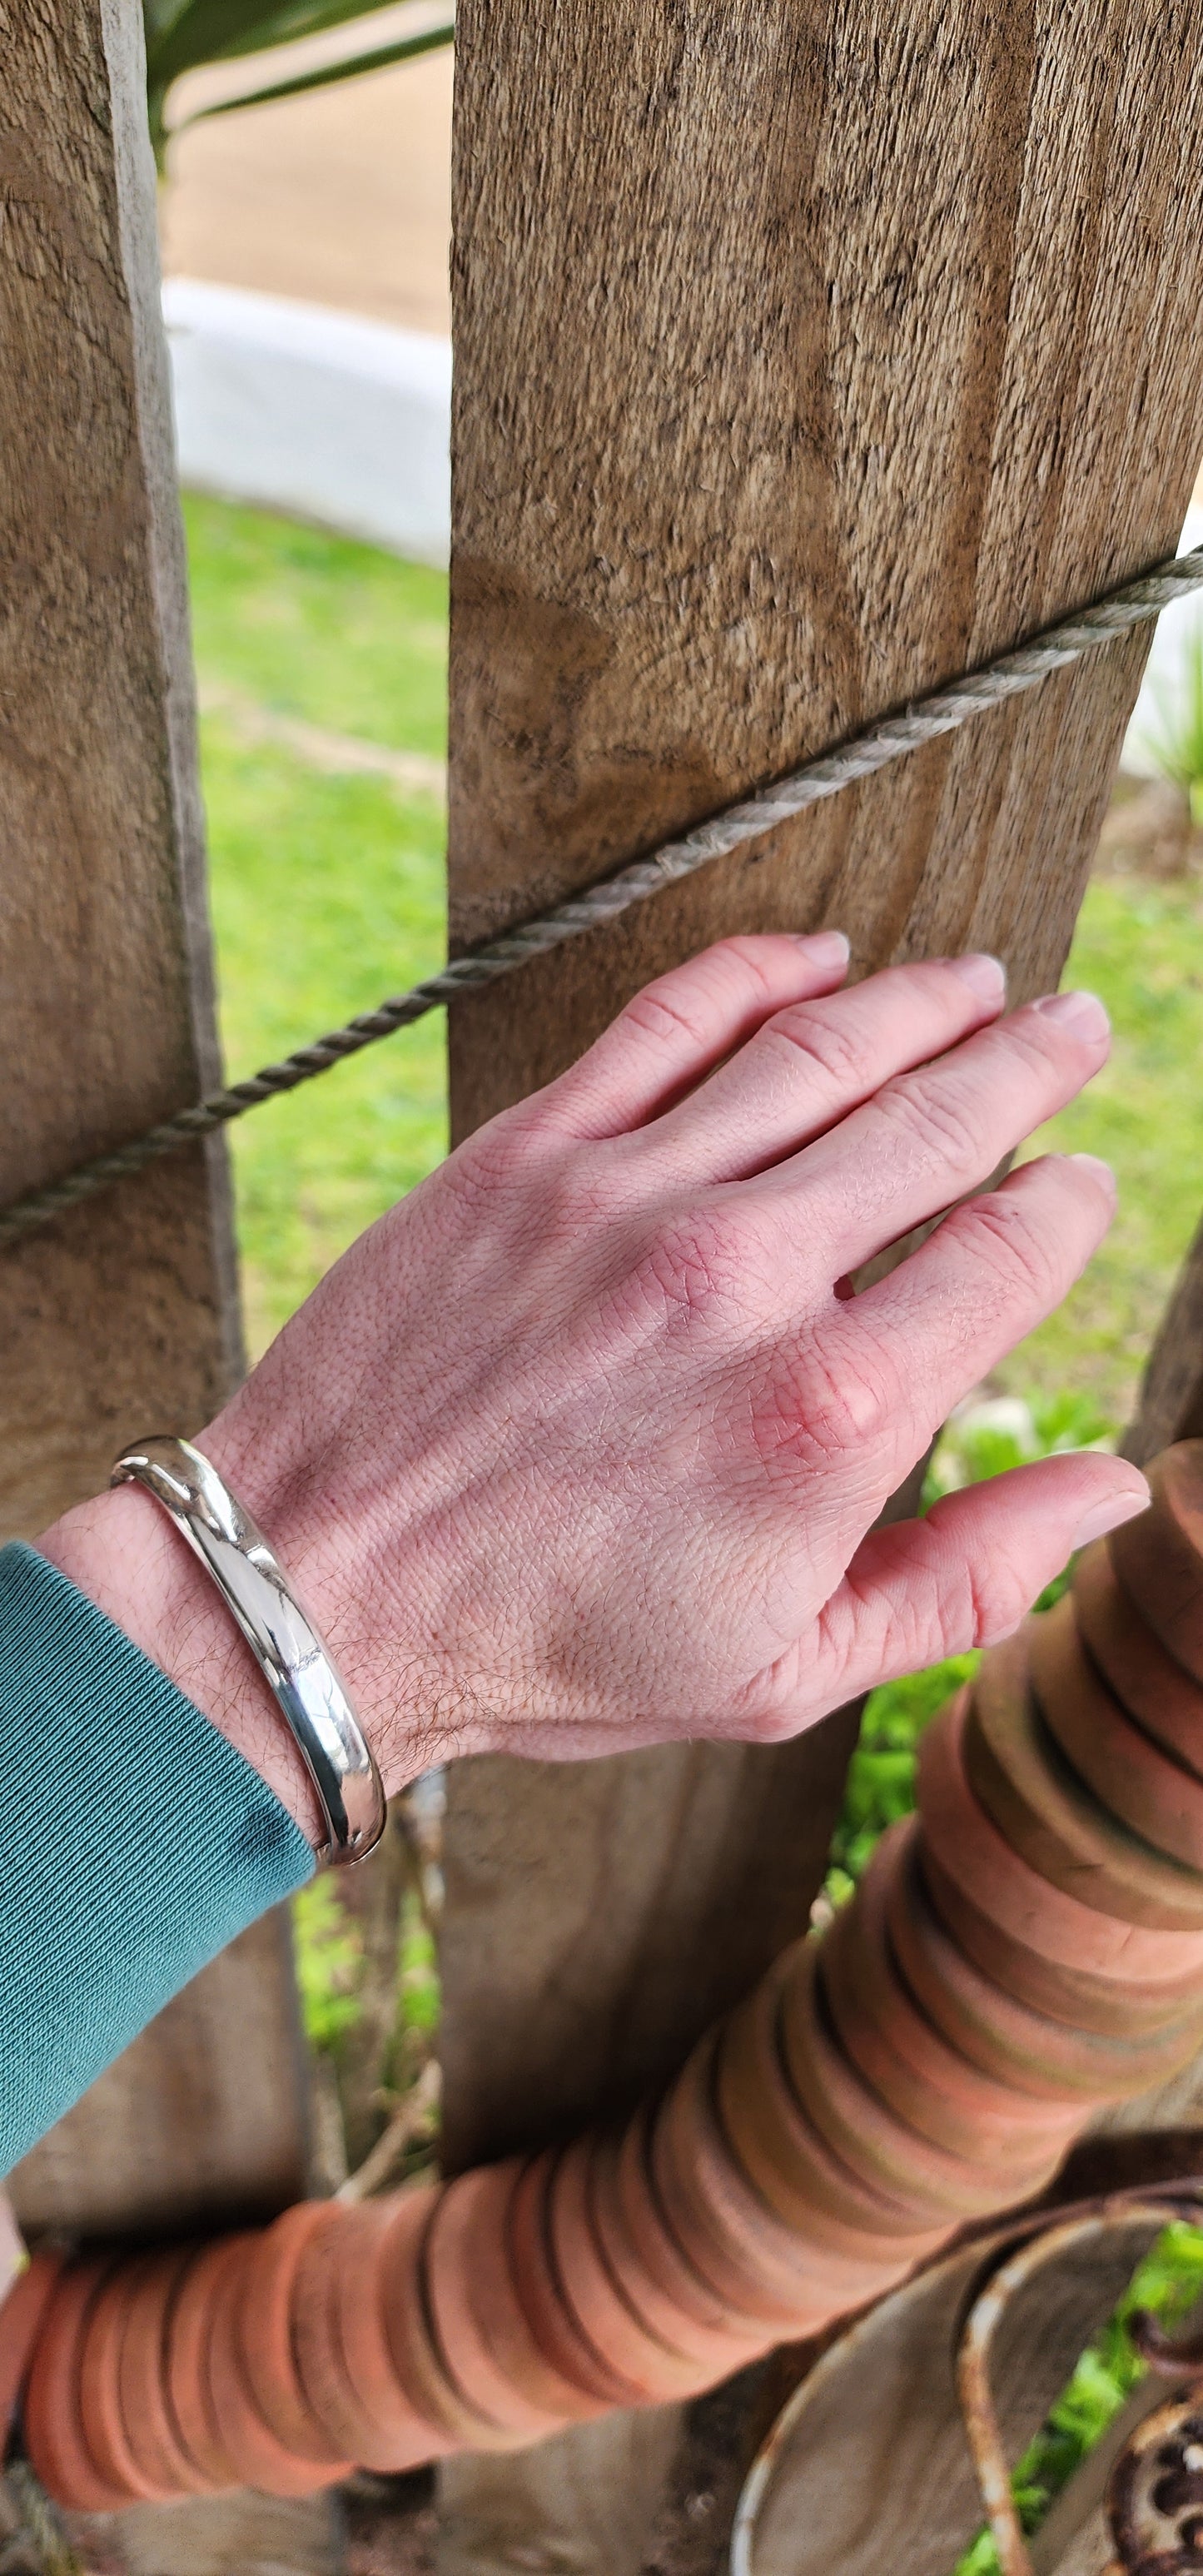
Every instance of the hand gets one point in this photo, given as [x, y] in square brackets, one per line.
[582, 1445]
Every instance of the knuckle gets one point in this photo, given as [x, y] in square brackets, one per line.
[662, 1012]
[1017, 1248]
[743, 961]
[827, 1040]
[910, 1634]
[1000, 1600]
[698, 998]
[524, 1177]
[971, 1600]
[844, 1397]
[488, 1164]
[925, 1111]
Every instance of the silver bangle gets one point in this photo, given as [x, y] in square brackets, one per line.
[283, 1641]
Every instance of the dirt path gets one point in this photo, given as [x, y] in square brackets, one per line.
[340, 197]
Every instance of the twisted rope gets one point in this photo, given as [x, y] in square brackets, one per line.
[944, 711]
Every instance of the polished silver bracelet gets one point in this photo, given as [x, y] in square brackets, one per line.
[282, 1639]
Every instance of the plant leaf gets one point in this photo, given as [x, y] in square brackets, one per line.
[209, 31]
[346, 69]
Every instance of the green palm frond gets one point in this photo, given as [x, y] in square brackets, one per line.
[182, 35]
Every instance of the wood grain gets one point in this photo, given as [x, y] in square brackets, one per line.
[1170, 1406]
[872, 2457]
[590, 2494]
[199, 2124]
[804, 358]
[122, 1317]
[124, 1312]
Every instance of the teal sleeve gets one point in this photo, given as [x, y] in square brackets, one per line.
[137, 1843]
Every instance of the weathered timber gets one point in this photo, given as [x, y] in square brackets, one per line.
[241, 2534]
[197, 2123]
[872, 2464]
[125, 1313]
[803, 359]
[1170, 1405]
[122, 1317]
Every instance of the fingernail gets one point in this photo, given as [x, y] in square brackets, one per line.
[1099, 1171]
[1110, 1514]
[826, 949]
[985, 975]
[1081, 1013]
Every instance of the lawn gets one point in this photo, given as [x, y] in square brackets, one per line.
[1139, 944]
[327, 886]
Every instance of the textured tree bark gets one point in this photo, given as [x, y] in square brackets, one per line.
[122, 1317]
[804, 357]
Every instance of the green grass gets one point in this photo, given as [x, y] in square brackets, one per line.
[327, 890]
[328, 1949]
[1139, 945]
[317, 627]
[327, 894]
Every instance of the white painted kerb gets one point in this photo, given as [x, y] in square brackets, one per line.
[322, 414]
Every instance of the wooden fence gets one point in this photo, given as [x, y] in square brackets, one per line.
[805, 357]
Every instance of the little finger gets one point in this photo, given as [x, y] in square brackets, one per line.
[969, 1573]
[995, 1268]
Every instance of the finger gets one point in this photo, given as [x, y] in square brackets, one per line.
[969, 1573]
[920, 1590]
[931, 1135]
[676, 1029]
[891, 1364]
[816, 1060]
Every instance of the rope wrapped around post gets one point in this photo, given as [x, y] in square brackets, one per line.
[1023, 1950]
[943, 711]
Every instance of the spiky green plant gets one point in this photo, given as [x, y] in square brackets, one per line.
[1175, 742]
[181, 35]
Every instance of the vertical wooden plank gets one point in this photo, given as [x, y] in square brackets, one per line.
[122, 1316]
[1170, 1405]
[241, 2534]
[125, 1310]
[197, 2123]
[804, 357]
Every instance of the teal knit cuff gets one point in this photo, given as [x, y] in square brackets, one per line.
[137, 1843]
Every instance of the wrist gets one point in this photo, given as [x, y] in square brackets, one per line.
[121, 1550]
